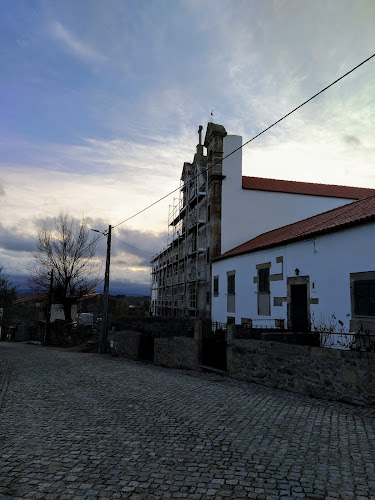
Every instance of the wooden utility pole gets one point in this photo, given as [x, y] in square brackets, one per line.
[49, 305]
[104, 324]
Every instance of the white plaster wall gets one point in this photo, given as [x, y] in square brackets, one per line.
[247, 213]
[336, 255]
[57, 312]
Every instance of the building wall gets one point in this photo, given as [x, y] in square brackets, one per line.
[247, 213]
[232, 216]
[57, 312]
[326, 261]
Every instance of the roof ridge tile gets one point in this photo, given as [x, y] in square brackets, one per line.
[307, 188]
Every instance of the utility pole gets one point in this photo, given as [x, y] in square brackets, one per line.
[1, 325]
[104, 323]
[49, 305]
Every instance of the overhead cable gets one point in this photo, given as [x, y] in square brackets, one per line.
[250, 140]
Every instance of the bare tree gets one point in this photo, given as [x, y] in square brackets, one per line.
[67, 250]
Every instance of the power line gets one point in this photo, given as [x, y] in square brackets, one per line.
[132, 246]
[252, 139]
[124, 242]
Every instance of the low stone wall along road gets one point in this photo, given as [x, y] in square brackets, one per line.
[93, 426]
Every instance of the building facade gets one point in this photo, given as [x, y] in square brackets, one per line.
[316, 274]
[219, 208]
[181, 273]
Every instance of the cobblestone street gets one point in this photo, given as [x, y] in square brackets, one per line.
[87, 426]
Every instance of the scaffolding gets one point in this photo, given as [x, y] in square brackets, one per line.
[179, 273]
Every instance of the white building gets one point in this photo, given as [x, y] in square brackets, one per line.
[317, 273]
[217, 209]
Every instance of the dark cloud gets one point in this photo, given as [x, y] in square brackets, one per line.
[2, 191]
[130, 247]
[142, 244]
[49, 223]
[352, 140]
[15, 240]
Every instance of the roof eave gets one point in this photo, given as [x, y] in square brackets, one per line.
[299, 238]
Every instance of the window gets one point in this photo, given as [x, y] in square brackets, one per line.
[264, 280]
[231, 292]
[192, 298]
[231, 284]
[216, 286]
[364, 298]
[264, 306]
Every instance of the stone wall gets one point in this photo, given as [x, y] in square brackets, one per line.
[125, 343]
[276, 335]
[347, 376]
[176, 352]
[155, 326]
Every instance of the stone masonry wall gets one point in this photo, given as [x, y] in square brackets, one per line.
[124, 343]
[347, 376]
[155, 326]
[176, 352]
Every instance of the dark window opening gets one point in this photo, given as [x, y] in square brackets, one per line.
[264, 280]
[364, 298]
[216, 285]
[264, 303]
[231, 284]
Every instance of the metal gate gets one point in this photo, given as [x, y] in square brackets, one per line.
[147, 347]
[214, 345]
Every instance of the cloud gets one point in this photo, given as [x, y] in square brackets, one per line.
[352, 140]
[130, 252]
[75, 46]
[115, 178]
[141, 243]
[15, 240]
[2, 191]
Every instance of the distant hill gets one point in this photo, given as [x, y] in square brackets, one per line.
[134, 300]
[116, 287]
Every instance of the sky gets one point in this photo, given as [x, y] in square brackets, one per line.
[100, 104]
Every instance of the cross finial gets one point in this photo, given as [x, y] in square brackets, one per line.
[200, 134]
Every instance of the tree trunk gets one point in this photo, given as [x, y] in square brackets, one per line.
[68, 311]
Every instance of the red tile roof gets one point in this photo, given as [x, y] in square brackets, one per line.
[294, 187]
[31, 298]
[357, 212]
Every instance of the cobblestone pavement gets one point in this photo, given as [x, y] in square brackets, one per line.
[89, 426]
